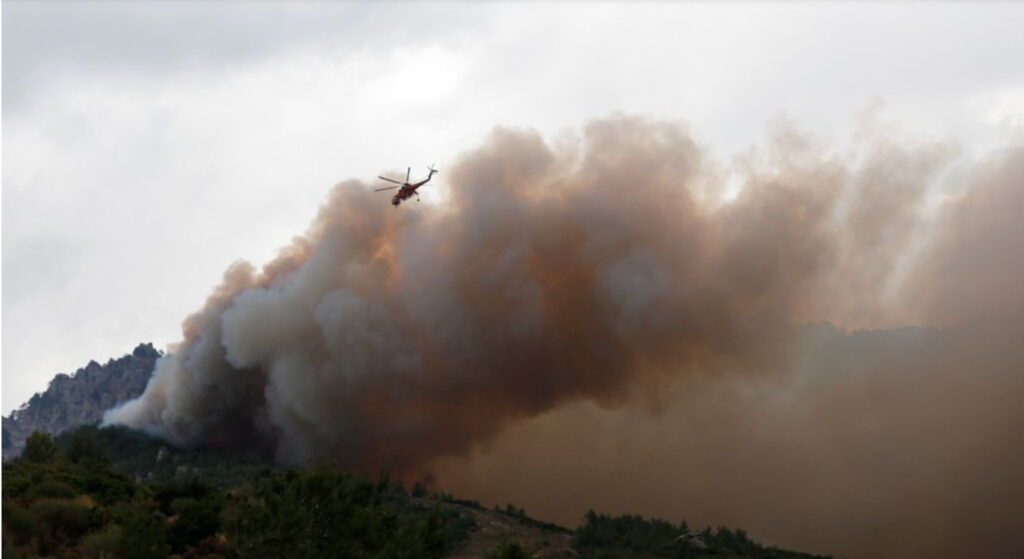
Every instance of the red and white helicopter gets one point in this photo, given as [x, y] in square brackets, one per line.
[406, 189]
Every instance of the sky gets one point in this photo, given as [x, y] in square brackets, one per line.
[138, 135]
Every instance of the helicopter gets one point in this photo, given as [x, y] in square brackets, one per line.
[406, 189]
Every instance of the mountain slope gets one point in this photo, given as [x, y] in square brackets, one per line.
[70, 497]
[90, 492]
[80, 398]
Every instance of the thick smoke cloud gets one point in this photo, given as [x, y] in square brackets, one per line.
[885, 443]
[609, 269]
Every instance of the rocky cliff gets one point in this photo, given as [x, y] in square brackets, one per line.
[80, 398]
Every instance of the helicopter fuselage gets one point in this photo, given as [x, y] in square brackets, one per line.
[408, 190]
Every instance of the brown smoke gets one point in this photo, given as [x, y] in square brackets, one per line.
[892, 443]
[607, 270]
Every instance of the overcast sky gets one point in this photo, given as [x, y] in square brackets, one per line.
[148, 145]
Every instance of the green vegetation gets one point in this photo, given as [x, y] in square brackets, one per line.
[151, 460]
[603, 536]
[509, 550]
[81, 495]
[324, 513]
[64, 499]
[519, 514]
[39, 448]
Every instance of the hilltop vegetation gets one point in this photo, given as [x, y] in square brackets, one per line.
[602, 536]
[71, 503]
[80, 496]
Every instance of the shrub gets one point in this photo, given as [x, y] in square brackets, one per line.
[54, 489]
[68, 517]
[195, 521]
[21, 524]
[143, 534]
[102, 543]
[604, 535]
[85, 500]
[105, 486]
[509, 550]
[16, 480]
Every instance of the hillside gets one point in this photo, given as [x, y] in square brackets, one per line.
[80, 398]
[114, 492]
[72, 497]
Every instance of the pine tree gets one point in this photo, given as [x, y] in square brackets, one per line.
[39, 448]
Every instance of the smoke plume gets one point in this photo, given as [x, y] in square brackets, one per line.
[604, 290]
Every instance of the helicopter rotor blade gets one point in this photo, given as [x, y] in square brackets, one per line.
[389, 180]
[386, 188]
[407, 172]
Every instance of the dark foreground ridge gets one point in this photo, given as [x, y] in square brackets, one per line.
[83, 495]
[80, 398]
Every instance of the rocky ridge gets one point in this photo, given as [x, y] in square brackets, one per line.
[80, 398]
